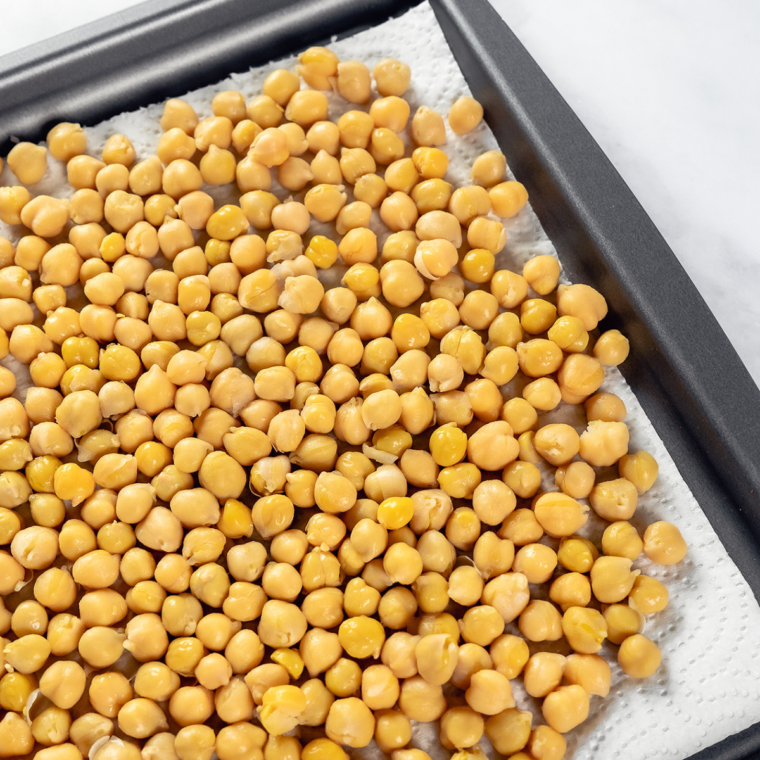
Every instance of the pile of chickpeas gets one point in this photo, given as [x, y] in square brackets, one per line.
[249, 512]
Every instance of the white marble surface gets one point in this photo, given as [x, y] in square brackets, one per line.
[667, 88]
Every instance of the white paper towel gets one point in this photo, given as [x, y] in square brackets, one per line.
[708, 686]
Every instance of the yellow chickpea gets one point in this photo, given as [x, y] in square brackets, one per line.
[391, 77]
[606, 407]
[639, 657]
[465, 114]
[664, 544]
[640, 468]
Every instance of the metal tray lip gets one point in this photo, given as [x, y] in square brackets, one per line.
[110, 49]
[95, 34]
[111, 25]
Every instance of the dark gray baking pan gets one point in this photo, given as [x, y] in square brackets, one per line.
[683, 369]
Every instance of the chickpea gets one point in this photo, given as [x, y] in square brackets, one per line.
[380, 687]
[398, 606]
[508, 593]
[622, 621]
[318, 65]
[638, 656]
[28, 162]
[253, 176]
[428, 128]
[612, 348]
[579, 377]
[540, 621]
[614, 499]
[386, 146]
[585, 629]
[465, 114]
[12, 202]
[539, 357]
[350, 722]
[41, 404]
[571, 590]
[101, 647]
[566, 707]
[581, 301]
[15, 690]
[280, 85]
[604, 443]
[145, 177]
[343, 679]
[393, 730]
[664, 544]
[621, 539]
[64, 633]
[391, 77]
[16, 735]
[29, 253]
[528, 451]
[543, 673]
[559, 515]
[421, 700]
[461, 727]
[640, 468]
[51, 726]
[190, 705]
[29, 617]
[509, 730]
[493, 446]
[537, 315]
[612, 578]
[576, 479]
[577, 554]
[66, 140]
[649, 595]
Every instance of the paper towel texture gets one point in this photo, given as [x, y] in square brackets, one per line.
[708, 686]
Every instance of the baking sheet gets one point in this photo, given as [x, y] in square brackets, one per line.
[707, 687]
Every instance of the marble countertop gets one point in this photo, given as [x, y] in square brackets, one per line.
[667, 90]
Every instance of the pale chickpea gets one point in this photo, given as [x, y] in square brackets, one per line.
[244, 134]
[639, 657]
[621, 539]
[543, 673]
[664, 544]
[325, 170]
[585, 629]
[12, 202]
[489, 169]
[353, 81]
[589, 671]
[581, 301]
[614, 499]
[307, 107]
[465, 114]
[28, 162]
[566, 708]
[604, 443]
[428, 127]
[391, 77]
[571, 590]
[575, 479]
[401, 284]
[606, 407]
[280, 86]
[612, 578]
[640, 469]
[66, 140]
